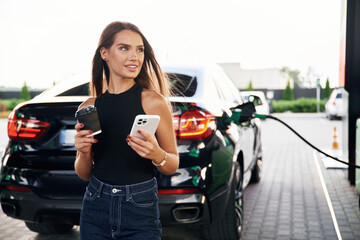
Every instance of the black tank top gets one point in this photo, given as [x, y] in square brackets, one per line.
[116, 162]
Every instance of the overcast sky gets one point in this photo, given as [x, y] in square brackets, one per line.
[44, 41]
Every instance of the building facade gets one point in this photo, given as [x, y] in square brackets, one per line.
[268, 78]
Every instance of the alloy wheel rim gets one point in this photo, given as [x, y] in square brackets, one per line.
[238, 202]
[239, 220]
[238, 180]
[259, 163]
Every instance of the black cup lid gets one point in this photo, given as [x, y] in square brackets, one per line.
[85, 110]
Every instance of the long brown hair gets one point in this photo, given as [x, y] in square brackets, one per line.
[150, 76]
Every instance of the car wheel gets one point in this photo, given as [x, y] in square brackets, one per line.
[256, 172]
[49, 228]
[230, 226]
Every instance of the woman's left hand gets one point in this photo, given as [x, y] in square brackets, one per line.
[148, 148]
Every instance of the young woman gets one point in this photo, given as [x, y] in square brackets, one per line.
[121, 200]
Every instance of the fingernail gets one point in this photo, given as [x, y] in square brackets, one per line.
[96, 140]
[139, 131]
[128, 136]
[90, 132]
[127, 140]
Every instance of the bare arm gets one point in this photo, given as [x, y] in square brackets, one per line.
[154, 148]
[84, 157]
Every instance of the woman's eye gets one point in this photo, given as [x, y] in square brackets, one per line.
[123, 48]
[141, 50]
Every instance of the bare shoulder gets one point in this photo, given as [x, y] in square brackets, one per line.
[89, 101]
[153, 102]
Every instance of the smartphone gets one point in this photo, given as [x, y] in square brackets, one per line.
[148, 123]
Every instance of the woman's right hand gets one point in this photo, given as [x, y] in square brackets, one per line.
[82, 142]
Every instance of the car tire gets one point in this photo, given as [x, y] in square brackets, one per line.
[49, 228]
[256, 172]
[230, 226]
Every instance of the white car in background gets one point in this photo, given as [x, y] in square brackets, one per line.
[334, 106]
[263, 108]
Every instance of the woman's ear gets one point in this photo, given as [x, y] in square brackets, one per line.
[103, 53]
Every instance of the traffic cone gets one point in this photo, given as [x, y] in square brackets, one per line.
[335, 143]
[334, 151]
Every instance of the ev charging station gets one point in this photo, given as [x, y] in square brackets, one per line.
[350, 79]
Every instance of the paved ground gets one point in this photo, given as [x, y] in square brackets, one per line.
[289, 202]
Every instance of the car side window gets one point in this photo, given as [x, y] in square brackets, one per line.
[223, 84]
[213, 89]
[232, 88]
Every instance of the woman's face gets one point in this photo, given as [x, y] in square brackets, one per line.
[126, 56]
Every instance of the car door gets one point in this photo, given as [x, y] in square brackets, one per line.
[246, 133]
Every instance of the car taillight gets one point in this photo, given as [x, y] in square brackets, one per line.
[20, 128]
[18, 188]
[178, 191]
[194, 124]
[334, 103]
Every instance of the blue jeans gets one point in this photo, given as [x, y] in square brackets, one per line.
[120, 212]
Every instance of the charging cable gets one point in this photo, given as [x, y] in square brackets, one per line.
[261, 116]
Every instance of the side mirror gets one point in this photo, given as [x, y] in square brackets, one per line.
[255, 100]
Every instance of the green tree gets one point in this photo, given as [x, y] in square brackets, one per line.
[294, 75]
[25, 94]
[326, 91]
[288, 92]
[250, 87]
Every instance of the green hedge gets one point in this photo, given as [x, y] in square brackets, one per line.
[298, 105]
[11, 103]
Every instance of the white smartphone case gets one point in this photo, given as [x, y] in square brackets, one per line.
[148, 123]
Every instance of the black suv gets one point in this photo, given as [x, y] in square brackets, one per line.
[219, 155]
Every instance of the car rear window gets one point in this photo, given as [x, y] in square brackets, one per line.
[182, 85]
[339, 95]
[82, 90]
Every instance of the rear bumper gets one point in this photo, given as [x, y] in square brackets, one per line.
[334, 111]
[28, 206]
[183, 209]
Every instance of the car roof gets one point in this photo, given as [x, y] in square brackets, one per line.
[74, 81]
[256, 93]
[197, 69]
[200, 70]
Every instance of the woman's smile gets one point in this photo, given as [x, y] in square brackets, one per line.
[132, 67]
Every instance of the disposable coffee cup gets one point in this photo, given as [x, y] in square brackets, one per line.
[89, 117]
